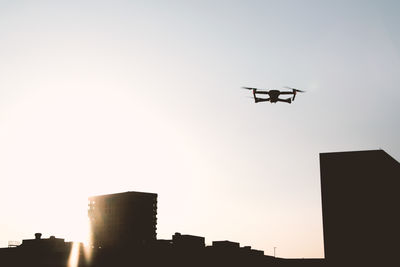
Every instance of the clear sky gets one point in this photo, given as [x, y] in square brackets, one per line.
[101, 97]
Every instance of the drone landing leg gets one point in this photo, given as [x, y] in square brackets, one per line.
[287, 100]
[257, 99]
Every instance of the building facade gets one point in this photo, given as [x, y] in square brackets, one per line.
[123, 219]
[360, 207]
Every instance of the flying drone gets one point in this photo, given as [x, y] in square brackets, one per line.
[274, 94]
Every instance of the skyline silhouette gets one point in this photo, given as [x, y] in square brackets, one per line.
[124, 226]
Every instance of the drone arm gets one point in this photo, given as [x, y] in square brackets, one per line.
[261, 92]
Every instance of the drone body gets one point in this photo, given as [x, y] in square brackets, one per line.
[274, 95]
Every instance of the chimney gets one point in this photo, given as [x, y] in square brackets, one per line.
[38, 236]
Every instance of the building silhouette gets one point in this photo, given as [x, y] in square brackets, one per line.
[360, 206]
[39, 243]
[42, 252]
[123, 219]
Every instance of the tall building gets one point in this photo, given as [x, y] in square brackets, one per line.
[360, 207]
[123, 219]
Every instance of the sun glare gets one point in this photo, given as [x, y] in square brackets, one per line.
[74, 255]
[79, 248]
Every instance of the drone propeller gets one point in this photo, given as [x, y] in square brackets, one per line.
[249, 88]
[295, 90]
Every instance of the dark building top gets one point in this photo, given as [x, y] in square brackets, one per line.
[123, 194]
[360, 206]
[52, 243]
[188, 241]
[225, 244]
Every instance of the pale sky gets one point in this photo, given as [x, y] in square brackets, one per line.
[101, 97]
